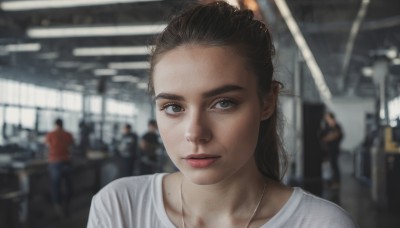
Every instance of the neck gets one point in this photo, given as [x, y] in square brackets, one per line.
[233, 199]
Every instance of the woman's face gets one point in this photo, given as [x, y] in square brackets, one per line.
[208, 111]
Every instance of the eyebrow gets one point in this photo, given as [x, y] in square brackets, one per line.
[168, 96]
[211, 93]
[223, 89]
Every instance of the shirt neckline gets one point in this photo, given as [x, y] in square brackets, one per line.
[278, 219]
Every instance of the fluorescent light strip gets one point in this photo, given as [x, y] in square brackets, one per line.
[125, 78]
[49, 4]
[30, 47]
[104, 72]
[391, 53]
[95, 31]
[75, 87]
[111, 51]
[352, 37]
[129, 65]
[88, 66]
[48, 55]
[305, 50]
[367, 71]
[142, 85]
[67, 64]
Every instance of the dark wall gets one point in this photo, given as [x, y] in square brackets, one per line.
[312, 116]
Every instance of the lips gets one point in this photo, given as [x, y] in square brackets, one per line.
[201, 160]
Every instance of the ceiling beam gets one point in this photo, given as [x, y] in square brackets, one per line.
[308, 56]
[52, 4]
[355, 28]
[321, 27]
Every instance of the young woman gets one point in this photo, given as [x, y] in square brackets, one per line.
[211, 78]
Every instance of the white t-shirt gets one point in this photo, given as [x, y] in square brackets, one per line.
[138, 202]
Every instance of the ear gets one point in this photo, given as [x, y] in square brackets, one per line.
[269, 101]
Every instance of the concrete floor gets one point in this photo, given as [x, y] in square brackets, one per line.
[353, 195]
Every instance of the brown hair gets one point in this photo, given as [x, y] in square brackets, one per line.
[219, 24]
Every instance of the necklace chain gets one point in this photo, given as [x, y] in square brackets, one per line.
[250, 219]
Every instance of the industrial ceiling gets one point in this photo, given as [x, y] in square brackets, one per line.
[345, 37]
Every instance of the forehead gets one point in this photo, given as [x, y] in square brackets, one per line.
[191, 65]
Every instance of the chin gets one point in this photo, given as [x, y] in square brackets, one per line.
[203, 177]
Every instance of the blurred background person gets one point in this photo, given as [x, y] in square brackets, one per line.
[331, 136]
[84, 137]
[149, 144]
[59, 142]
[128, 150]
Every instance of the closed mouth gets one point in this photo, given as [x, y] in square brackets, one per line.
[201, 156]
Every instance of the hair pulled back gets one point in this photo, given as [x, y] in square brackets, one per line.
[219, 24]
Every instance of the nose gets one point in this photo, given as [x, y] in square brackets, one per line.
[197, 129]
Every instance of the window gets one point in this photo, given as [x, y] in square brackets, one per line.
[95, 104]
[120, 108]
[27, 94]
[12, 115]
[9, 92]
[71, 101]
[28, 117]
[1, 121]
[394, 110]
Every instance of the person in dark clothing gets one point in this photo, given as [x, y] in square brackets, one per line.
[148, 147]
[128, 150]
[84, 137]
[331, 136]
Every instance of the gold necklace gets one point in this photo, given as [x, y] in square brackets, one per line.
[251, 217]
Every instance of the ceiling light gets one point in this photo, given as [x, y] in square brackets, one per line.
[113, 91]
[142, 85]
[67, 64]
[75, 87]
[104, 72]
[95, 31]
[125, 78]
[391, 53]
[30, 47]
[396, 61]
[129, 65]
[111, 51]
[47, 55]
[48, 4]
[88, 66]
[308, 56]
[367, 71]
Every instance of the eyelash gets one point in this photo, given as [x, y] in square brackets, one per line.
[165, 106]
[232, 103]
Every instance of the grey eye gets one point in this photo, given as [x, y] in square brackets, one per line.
[224, 104]
[173, 109]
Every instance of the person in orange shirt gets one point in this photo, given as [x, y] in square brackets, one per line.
[59, 142]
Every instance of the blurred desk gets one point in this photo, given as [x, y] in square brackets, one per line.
[89, 175]
[385, 170]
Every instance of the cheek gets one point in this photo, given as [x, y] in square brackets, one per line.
[243, 132]
[247, 135]
[170, 132]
